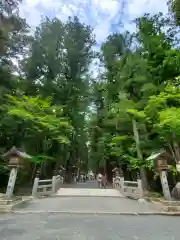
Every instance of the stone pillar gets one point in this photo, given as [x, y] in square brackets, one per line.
[165, 186]
[113, 177]
[122, 181]
[36, 182]
[11, 183]
[140, 187]
[54, 184]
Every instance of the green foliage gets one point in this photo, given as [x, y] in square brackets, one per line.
[139, 102]
[39, 115]
[136, 114]
[41, 159]
[62, 116]
[135, 164]
[164, 111]
[174, 6]
[173, 170]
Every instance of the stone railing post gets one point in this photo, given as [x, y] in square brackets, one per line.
[140, 188]
[122, 181]
[54, 184]
[36, 182]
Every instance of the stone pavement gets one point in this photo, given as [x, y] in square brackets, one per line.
[88, 184]
[91, 192]
[87, 200]
[100, 205]
[88, 188]
[87, 227]
[88, 216]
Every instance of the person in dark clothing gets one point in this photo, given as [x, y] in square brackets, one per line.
[104, 180]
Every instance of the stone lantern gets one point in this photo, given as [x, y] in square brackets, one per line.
[160, 161]
[15, 160]
[115, 173]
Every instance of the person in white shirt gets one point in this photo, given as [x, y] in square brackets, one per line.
[99, 180]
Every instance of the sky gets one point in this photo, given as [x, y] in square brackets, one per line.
[105, 16]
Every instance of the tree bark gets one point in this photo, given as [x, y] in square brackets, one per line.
[139, 154]
[176, 148]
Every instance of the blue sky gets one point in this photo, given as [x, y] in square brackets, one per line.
[103, 15]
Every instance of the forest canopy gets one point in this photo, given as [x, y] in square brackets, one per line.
[52, 106]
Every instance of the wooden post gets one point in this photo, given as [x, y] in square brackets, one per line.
[165, 186]
[11, 182]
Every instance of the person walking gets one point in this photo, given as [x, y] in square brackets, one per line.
[104, 180]
[99, 180]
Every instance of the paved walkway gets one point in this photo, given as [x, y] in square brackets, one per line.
[87, 215]
[91, 192]
[89, 205]
[87, 199]
[87, 227]
[87, 189]
[88, 184]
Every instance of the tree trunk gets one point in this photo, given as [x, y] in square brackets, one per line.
[139, 154]
[68, 174]
[176, 148]
[33, 173]
[172, 152]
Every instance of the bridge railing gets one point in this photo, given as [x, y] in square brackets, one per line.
[46, 186]
[132, 189]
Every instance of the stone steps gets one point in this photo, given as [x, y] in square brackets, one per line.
[166, 206]
[4, 202]
[170, 206]
[6, 205]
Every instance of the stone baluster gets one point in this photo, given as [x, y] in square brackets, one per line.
[138, 175]
[139, 182]
[122, 181]
[36, 182]
[113, 177]
[54, 182]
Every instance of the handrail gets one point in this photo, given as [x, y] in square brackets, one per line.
[47, 186]
[45, 180]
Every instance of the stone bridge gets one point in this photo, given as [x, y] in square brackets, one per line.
[81, 211]
[86, 198]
